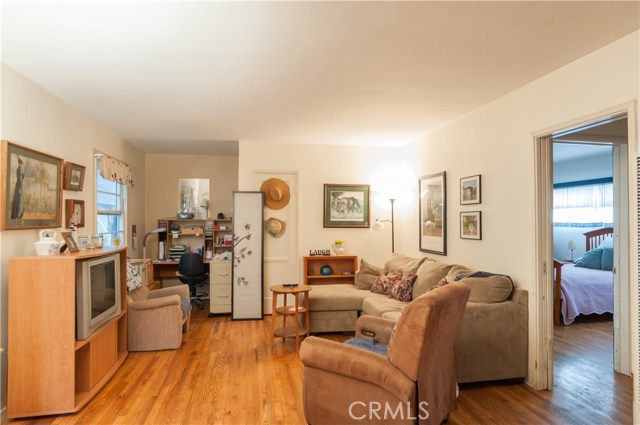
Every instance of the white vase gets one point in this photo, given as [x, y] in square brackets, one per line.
[339, 249]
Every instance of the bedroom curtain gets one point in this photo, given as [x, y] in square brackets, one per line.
[594, 196]
[583, 204]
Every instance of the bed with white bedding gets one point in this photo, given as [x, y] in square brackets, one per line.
[583, 290]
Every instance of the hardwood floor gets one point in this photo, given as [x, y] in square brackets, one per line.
[234, 372]
[587, 390]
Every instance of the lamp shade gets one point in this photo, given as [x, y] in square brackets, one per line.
[571, 246]
[378, 226]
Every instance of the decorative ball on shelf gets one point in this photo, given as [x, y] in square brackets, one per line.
[325, 270]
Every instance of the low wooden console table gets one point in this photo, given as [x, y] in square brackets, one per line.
[295, 330]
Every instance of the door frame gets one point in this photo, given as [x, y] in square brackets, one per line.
[542, 306]
[296, 261]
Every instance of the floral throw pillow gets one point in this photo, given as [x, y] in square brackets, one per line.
[383, 284]
[442, 282]
[402, 289]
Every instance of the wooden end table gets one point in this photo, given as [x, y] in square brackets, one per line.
[295, 330]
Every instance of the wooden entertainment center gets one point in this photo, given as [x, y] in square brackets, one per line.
[50, 372]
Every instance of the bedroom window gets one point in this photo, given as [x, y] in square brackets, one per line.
[111, 208]
[582, 203]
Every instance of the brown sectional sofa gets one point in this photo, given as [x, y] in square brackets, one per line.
[493, 340]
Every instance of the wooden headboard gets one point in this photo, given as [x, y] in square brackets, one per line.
[595, 237]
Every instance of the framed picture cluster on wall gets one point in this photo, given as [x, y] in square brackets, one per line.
[32, 188]
[470, 221]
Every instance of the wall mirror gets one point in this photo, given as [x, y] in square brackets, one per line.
[194, 197]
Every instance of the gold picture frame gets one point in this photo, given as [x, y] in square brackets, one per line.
[31, 188]
[73, 210]
[71, 243]
[73, 176]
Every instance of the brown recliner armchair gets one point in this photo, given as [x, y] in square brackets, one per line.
[416, 381]
[156, 319]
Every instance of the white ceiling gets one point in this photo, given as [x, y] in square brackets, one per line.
[196, 77]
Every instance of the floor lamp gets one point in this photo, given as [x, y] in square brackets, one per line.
[144, 241]
[379, 226]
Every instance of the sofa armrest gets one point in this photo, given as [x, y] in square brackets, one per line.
[356, 363]
[154, 303]
[520, 296]
[377, 327]
[181, 290]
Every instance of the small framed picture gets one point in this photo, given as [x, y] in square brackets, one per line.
[73, 212]
[73, 176]
[470, 190]
[71, 243]
[471, 225]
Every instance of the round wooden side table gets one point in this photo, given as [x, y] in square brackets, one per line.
[294, 330]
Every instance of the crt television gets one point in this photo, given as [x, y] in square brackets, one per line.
[97, 293]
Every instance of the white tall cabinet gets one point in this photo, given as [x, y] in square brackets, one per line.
[219, 287]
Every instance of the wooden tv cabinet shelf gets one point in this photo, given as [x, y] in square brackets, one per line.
[343, 269]
[50, 372]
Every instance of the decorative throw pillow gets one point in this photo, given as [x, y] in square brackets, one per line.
[591, 260]
[487, 287]
[442, 282]
[607, 259]
[399, 261]
[606, 243]
[402, 290]
[366, 274]
[383, 284]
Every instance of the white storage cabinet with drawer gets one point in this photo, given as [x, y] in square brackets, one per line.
[220, 287]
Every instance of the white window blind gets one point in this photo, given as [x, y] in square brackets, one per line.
[583, 204]
[111, 204]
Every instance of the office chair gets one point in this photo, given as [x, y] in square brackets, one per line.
[192, 271]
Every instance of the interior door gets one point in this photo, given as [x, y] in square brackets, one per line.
[281, 259]
[622, 295]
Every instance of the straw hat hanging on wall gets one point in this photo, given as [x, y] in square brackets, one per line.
[276, 193]
[275, 227]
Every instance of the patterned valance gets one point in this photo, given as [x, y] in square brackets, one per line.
[115, 171]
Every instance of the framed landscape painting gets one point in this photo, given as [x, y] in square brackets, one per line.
[471, 225]
[432, 191]
[73, 176]
[31, 188]
[470, 190]
[346, 205]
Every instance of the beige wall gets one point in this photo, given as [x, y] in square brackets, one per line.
[496, 141]
[36, 119]
[319, 165]
[163, 173]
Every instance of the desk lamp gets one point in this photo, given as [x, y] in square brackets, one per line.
[144, 241]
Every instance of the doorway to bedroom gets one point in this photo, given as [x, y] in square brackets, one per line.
[583, 221]
[582, 188]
